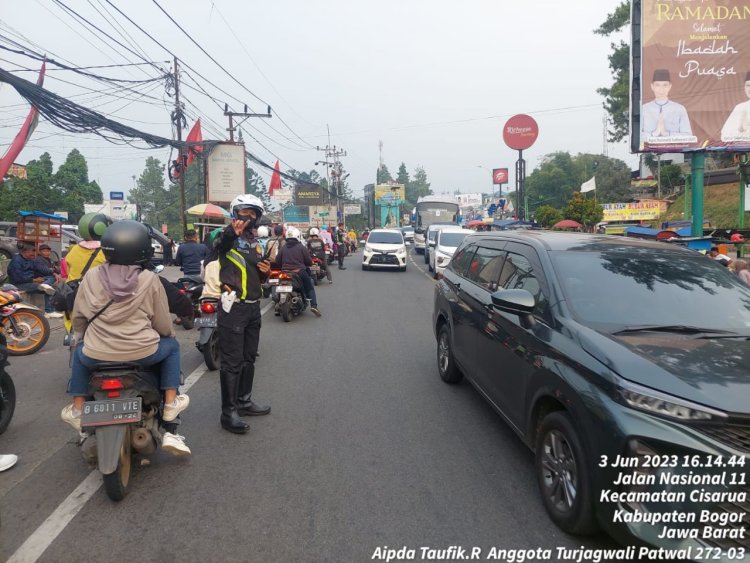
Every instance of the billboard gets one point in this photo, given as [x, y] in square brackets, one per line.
[390, 194]
[226, 172]
[499, 175]
[690, 83]
[282, 196]
[323, 214]
[352, 209]
[307, 194]
[640, 211]
[297, 214]
[469, 200]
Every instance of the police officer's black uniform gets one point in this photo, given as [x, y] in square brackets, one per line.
[239, 329]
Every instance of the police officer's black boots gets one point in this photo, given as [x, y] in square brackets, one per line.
[230, 420]
[245, 405]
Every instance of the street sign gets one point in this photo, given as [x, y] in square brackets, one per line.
[500, 176]
[117, 195]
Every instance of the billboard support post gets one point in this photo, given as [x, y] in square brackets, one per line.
[743, 185]
[520, 181]
[697, 166]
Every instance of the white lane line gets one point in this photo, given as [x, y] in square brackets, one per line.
[429, 277]
[37, 543]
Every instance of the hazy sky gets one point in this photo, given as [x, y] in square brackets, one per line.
[434, 80]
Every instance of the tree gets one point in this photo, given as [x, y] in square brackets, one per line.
[155, 203]
[546, 215]
[616, 97]
[383, 176]
[584, 210]
[419, 186]
[554, 181]
[72, 182]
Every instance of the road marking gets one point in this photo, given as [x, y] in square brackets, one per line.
[429, 277]
[38, 542]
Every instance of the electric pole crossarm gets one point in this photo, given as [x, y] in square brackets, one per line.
[245, 114]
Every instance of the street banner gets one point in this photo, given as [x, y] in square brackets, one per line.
[226, 172]
[352, 209]
[690, 84]
[282, 196]
[306, 194]
[323, 214]
[297, 214]
[640, 211]
[390, 194]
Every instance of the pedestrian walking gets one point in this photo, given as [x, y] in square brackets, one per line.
[242, 269]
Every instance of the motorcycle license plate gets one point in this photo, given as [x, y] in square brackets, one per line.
[284, 289]
[208, 321]
[111, 411]
[273, 281]
[315, 269]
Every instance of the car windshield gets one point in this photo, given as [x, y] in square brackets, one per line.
[630, 287]
[452, 239]
[385, 238]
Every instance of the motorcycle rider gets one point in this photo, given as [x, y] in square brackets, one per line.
[242, 269]
[275, 243]
[317, 248]
[190, 254]
[263, 235]
[121, 315]
[295, 259]
[341, 241]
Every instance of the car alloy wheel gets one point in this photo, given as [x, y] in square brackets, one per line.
[563, 475]
[446, 364]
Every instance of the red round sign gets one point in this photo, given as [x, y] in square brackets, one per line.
[520, 132]
[500, 176]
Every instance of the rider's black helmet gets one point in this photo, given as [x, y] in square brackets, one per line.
[127, 243]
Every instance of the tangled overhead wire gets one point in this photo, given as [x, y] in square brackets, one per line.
[69, 116]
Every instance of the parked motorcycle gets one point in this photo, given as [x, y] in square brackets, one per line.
[24, 325]
[123, 420]
[289, 297]
[330, 254]
[208, 332]
[316, 270]
[192, 286]
[7, 389]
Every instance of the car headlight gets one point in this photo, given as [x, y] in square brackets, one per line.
[661, 404]
[368, 249]
[401, 251]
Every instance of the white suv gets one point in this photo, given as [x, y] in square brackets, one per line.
[385, 248]
[445, 244]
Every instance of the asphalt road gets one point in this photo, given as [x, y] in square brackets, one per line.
[365, 448]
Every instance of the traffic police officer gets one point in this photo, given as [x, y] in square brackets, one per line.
[242, 271]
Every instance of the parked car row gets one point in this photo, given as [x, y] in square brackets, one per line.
[622, 364]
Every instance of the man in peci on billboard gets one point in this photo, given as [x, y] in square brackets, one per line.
[737, 125]
[663, 118]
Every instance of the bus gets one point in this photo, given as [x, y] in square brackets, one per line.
[433, 209]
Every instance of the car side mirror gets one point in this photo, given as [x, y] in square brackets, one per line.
[516, 302]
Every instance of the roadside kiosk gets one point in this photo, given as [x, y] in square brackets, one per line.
[35, 228]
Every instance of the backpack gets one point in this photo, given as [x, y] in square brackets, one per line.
[65, 297]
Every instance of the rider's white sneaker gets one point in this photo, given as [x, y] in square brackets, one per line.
[174, 444]
[71, 418]
[171, 411]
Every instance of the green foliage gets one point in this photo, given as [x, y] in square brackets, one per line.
[418, 186]
[560, 175]
[383, 175]
[616, 96]
[255, 185]
[546, 215]
[585, 210]
[671, 178]
[66, 190]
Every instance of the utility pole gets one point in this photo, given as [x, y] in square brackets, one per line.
[177, 119]
[245, 114]
[335, 153]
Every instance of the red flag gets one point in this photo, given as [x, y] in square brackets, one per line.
[275, 180]
[194, 136]
[23, 135]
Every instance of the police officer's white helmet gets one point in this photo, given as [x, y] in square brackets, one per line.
[246, 201]
[314, 232]
[263, 232]
[292, 232]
